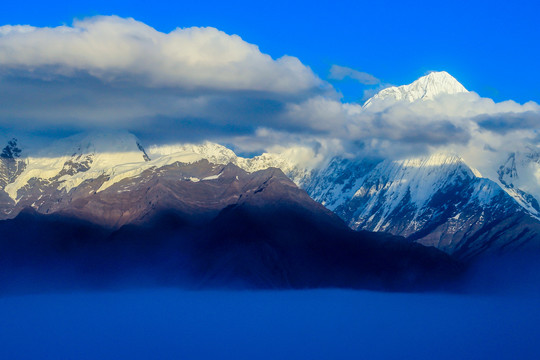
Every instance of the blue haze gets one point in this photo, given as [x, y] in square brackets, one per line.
[322, 324]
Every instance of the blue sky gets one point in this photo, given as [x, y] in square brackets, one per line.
[489, 46]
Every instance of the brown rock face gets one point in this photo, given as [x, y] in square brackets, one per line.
[197, 191]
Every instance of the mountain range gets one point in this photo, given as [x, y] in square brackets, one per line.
[199, 224]
[269, 220]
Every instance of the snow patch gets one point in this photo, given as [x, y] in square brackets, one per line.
[212, 177]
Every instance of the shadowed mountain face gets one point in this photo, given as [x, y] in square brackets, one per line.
[232, 230]
[243, 247]
[300, 249]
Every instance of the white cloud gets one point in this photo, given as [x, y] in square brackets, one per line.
[117, 49]
[111, 72]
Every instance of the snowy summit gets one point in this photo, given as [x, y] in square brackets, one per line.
[425, 88]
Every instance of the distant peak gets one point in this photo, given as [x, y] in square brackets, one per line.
[425, 88]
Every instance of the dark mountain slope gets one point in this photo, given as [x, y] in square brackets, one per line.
[310, 251]
[246, 246]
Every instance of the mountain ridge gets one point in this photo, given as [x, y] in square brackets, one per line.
[409, 197]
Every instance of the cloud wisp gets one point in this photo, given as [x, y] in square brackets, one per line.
[338, 72]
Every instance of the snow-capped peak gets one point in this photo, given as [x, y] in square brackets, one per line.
[296, 161]
[427, 87]
[72, 160]
[69, 162]
[213, 152]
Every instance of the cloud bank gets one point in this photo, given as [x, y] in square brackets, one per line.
[195, 84]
